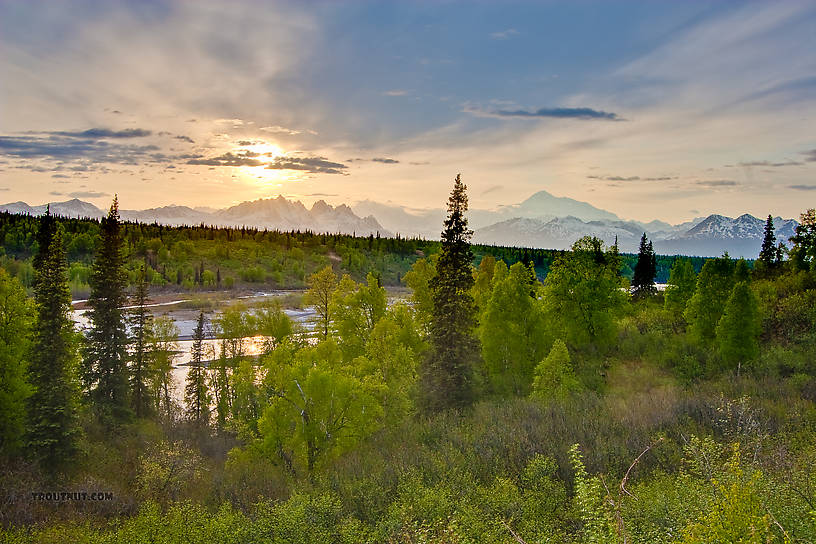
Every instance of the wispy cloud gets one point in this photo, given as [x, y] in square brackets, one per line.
[385, 160]
[88, 194]
[767, 164]
[717, 183]
[71, 146]
[504, 34]
[803, 187]
[810, 156]
[395, 92]
[583, 114]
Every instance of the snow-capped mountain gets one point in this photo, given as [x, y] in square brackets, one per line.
[69, 208]
[278, 213]
[708, 237]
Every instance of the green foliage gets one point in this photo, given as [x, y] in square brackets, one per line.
[16, 320]
[680, 288]
[53, 427]
[596, 521]
[705, 307]
[140, 323]
[739, 328]
[512, 332]
[553, 375]
[803, 252]
[104, 373]
[583, 295]
[356, 309]
[315, 410]
[162, 338]
[322, 286]
[196, 394]
[447, 372]
[645, 270]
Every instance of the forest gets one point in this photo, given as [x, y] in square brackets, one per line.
[511, 396]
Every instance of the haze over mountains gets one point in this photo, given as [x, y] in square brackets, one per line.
[543, 220]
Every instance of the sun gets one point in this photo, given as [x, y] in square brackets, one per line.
[266, 151]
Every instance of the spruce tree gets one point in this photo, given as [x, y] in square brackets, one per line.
[446, 374]
[53, 426]
[195, 391]
[139, 371]
[645, 270]
[105, 372]
[767, 254]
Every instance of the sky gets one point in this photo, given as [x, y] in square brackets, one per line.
[651, 110]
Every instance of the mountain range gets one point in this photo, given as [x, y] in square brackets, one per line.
[543, 220]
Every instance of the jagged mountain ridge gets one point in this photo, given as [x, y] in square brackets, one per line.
[278, 213]
[707, 237]
[704, 236]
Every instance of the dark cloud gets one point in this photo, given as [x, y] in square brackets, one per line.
[313, 165]
[322, 194]
[4, 189]
[803, 187]
[810, 156]
[556, 113]
[87, 194]
[717, 183]
[60, 176]
[246, 142]
[185, 139]
[56, 193]
[385, 160]
[246, 158]
[54, 146]
[105, 133]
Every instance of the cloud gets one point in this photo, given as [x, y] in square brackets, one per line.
[314, 165]
[245, 158]
[94, 133]
[492, 189]
[4, 189]
[810, 156]
[803, 187]
[766, 163]
[185, 139]
[385, 160]
[87, 194]
[396, 92]
[322, 194]
[276, 129]
[717, 183]
[583, 114]
[504, 34]
[60, 176]
[56, 193]
[57, 146]
[632, 178]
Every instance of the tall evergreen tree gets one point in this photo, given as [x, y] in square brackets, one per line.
[195, 390]
[105, 370]
[139, 372]
[767, 254]
[53, 426]
[645, 269]
[446, 374]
